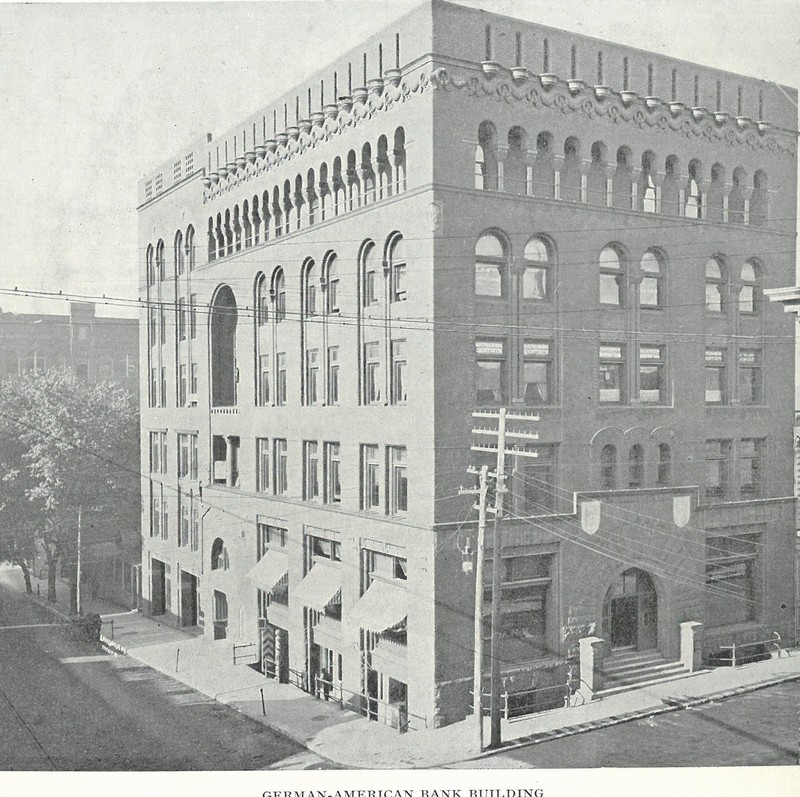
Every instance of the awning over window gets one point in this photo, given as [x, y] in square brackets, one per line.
[319, 587]
[382, 606]
[269, 570]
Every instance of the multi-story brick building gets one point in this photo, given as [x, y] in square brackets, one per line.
[95, 349]
[470, 211]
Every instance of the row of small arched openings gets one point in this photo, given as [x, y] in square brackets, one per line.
[316, 196]
[615, 476]
[564, 172]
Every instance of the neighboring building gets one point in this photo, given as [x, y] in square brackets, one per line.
[95, 349]
[447, 219]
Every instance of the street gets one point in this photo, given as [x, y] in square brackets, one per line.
[67, 705]
[755, 729]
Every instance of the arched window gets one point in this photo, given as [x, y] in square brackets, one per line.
[212, 240]
[715, 285]
[311, 193]
[368, 173]
[612, 276]
[571, 171]
[596, 184]
[648, 186]
[160, 260]
[279, 294]
[543, 170]
[338, 187]
[693, 207]
[353, 183]
[287, 206]
[219, 555]
[749, 293]
[651, 288]
[237, 229]
[262, 301]
[480, 168]
[608, 467]
[636, 466]
[227, 232]
[299, 201]
[277, 211]
[369, 274]
[490, 267]
[189, 247]
[664, 465]
[396, 258]
[331, 274]
[515, 170]
[758, 201]
[399, 160]
[535, 283]
[384, 176]
[310, 289]
[716, 194]
[222, 328]
[671, 190]
[178, 254]
[247, 225]
[266, 215]
[151, 271]
[487, 145]
[324, 191]
[623, 180]
[736, 196]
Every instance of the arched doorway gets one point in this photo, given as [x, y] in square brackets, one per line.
[223, 348]
[630, 611]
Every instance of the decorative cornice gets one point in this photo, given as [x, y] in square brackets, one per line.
[340, 119]
[663, 117]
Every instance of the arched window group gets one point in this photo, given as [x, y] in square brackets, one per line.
[519, 163]
[728, 287]
[492, 275]
[635, 466]
[370, 175]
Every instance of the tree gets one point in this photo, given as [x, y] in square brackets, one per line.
[79, 463]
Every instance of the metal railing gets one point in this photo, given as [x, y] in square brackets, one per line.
[243, 652]
[768, 646]
[395, 715]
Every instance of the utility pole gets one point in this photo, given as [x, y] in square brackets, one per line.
[502, 434]
[78, 567]
[477, 677]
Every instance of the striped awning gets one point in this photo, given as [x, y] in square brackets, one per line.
[269, 570]
[319, 587]
[382, 606]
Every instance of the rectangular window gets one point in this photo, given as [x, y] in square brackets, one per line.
[195, 529]
[163, 396]
[164, 518]
[398, 480]
[263, 380]
[268, 536]
[189, 163]
[489, 280]
[281, 466]
[184, 455]
[320, 549]
[491, 372]
[751, 457]
[193, 379]
[523, 607]
[162, 324]
[537, 373]
[153, 325]
[716, 392]
[534, 282]
[718, 454]
[280, 387]
[652, 375]
[159, 182]
[312, 376]
[399, 361]
[333, 375]
[153, 392]
[370, 288]
[262, 464]
[399, 282]
[158, 452]
[370, 478]
[310, 470]
[750, 377]
[155, 515]
[333, 467]
[731, 579]
[176, 171]
[384, 567]
[333, 295]
[612, 373]
[182, 385]
[185, 523]
[372, 373]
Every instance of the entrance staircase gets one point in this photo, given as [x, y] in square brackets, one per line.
[628, 668]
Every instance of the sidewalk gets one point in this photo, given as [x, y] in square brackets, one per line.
[207, 666]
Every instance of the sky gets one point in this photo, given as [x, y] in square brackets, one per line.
[94, 95]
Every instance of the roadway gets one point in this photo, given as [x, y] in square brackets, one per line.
[67, 705]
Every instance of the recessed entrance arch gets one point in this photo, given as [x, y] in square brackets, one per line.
[222, 329]
[630, 611]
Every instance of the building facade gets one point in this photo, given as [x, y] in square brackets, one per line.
[466, 213]
[95, 349]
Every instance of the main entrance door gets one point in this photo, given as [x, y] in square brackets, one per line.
[158, 587]
[630, 611]
[188, 598]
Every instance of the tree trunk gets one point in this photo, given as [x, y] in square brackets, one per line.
[73, 588]
[52, 560]
[27, 576]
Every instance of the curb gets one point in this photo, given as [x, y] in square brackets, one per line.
[670, 704]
